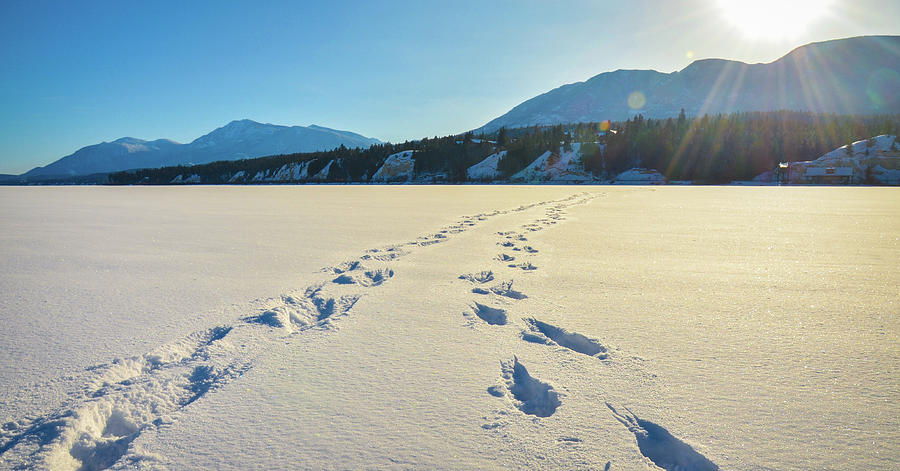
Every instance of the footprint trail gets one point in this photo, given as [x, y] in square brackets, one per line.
[93, 429]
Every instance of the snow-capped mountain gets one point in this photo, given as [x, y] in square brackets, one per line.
[845, 76]
[237, 140]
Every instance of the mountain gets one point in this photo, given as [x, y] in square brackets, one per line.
[237, 140]
[245, 138]
[120, 154]
[847, 76]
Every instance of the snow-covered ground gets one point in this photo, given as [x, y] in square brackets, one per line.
[449, 327]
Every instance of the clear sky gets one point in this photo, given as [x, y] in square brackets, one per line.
[77, 73]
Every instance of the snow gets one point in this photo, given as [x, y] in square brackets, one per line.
[487, 168]
[397, 167]
[347, 327]
[559, 166]
[879, 156]
[181, 179]
[323, 174]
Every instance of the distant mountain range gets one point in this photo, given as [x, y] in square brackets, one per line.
[846, 76]
[237, 140]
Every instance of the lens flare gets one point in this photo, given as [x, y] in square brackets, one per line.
[636, 100]
[884, 88]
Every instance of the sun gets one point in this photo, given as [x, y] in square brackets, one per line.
[773, 19]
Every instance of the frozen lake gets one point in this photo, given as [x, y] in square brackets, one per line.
[334, 327]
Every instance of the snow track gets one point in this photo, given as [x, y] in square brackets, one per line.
[121, 400]
[540, 399]
[95, 429]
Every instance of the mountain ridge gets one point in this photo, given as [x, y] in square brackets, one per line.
[239, 139]
[859, 75]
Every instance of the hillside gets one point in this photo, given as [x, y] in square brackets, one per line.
[846, 76]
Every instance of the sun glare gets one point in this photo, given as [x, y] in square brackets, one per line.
[773, 19]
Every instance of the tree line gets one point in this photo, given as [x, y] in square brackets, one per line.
[706, 149]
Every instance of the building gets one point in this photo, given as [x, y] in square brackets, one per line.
[829, 175]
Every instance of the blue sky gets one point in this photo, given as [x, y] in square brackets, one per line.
[78, 73]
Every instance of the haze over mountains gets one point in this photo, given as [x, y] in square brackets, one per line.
[846, 76]
[237, 140]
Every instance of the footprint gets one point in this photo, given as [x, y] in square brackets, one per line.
[368, 278]
[345, 267]
[527, 266]
[94, 432]
[541, 332]
[491, 315]
[530, 395]
[302, 312]
[122, 370]
[505, 258]
[503, 289]
[660, 446]
[385, 255]
[483, 277]
[327, 307]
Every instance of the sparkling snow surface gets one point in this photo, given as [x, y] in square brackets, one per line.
[457, 327]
